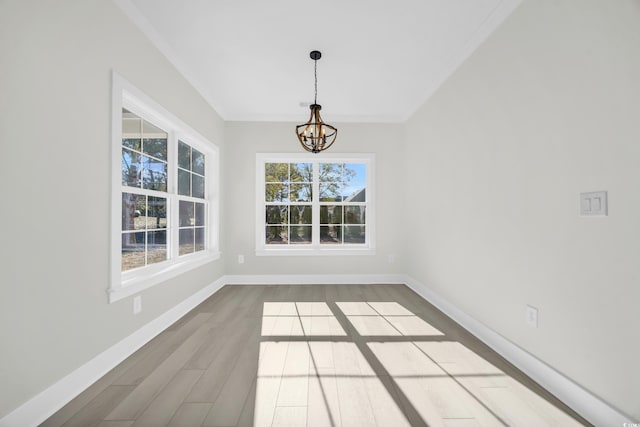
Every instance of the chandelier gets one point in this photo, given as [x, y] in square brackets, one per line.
[315, 135]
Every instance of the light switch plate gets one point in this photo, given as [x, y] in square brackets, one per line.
[532, 316]
[594, 204]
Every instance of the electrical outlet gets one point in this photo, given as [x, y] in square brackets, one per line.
[137, 304]
[532, 316]
[240, 259]
[392, 258]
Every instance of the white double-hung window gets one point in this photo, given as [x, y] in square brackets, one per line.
[164, 194]
[308, 204]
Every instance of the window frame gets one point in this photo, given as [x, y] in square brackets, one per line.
[126, 283]
[315, 248]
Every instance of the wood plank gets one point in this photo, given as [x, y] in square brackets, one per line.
[295, 376]
[323, 406]
[327, 326]
[390, 308]
[359, 308]
[136, 374]
[116, 424]
[93, 413]
[246, 419]
[355, 406]
[227, 407]
[291, 416]
[372, 326]
[165, 405]
[270, 371]
[313, 309]
[383, 402]
[143, 394]
[190, 415]
[412, 326]
[232, 341]
[84, 398]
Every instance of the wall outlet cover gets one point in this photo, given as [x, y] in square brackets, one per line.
[137, 304]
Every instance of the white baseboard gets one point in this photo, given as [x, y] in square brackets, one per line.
[589, 406]
[314, 279]
[45, 404]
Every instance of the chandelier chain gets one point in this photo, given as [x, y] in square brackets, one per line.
[315, 73]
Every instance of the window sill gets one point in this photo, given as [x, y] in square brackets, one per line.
[299, 251]
[137, 281]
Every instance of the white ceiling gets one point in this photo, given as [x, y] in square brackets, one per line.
[380, 59]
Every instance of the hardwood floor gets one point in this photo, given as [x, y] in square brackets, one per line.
[321, 355]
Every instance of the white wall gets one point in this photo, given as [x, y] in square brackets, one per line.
[545, 109]
[245, 139]
[55, 103]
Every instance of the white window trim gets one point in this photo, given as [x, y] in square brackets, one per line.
[124, 284]
[263, 249]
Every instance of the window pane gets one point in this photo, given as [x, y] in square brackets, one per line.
[154, 176]
[330, 192]
[156, 246]
[300, 234]
[184, 183]
[155, 147]
[152, 131]
[198, 186]
[133, 143]
[186, 241]
[331, 172]
[354, 215]
[187, 214]
[133, 207]
[131, 125]
[356, 172]
[354, 192]
[133, 254]
[157, 212]
[277, 215]
[276, 172]
[330, 214]
[354, 234]
[300, 193]
[301, 172]
[276, 235]
[276, 193]
[199, 239]
[184, 155]
[300, 214]
[131, 168]
[197, 161]
[330, 234]
[200, 214]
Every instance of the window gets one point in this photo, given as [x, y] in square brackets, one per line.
[164, 202]
[314, 205]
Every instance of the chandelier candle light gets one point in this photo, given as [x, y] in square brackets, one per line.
[315, 135]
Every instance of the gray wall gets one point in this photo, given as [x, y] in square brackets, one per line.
[55, 103]
[545, 109]
[245, 139]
